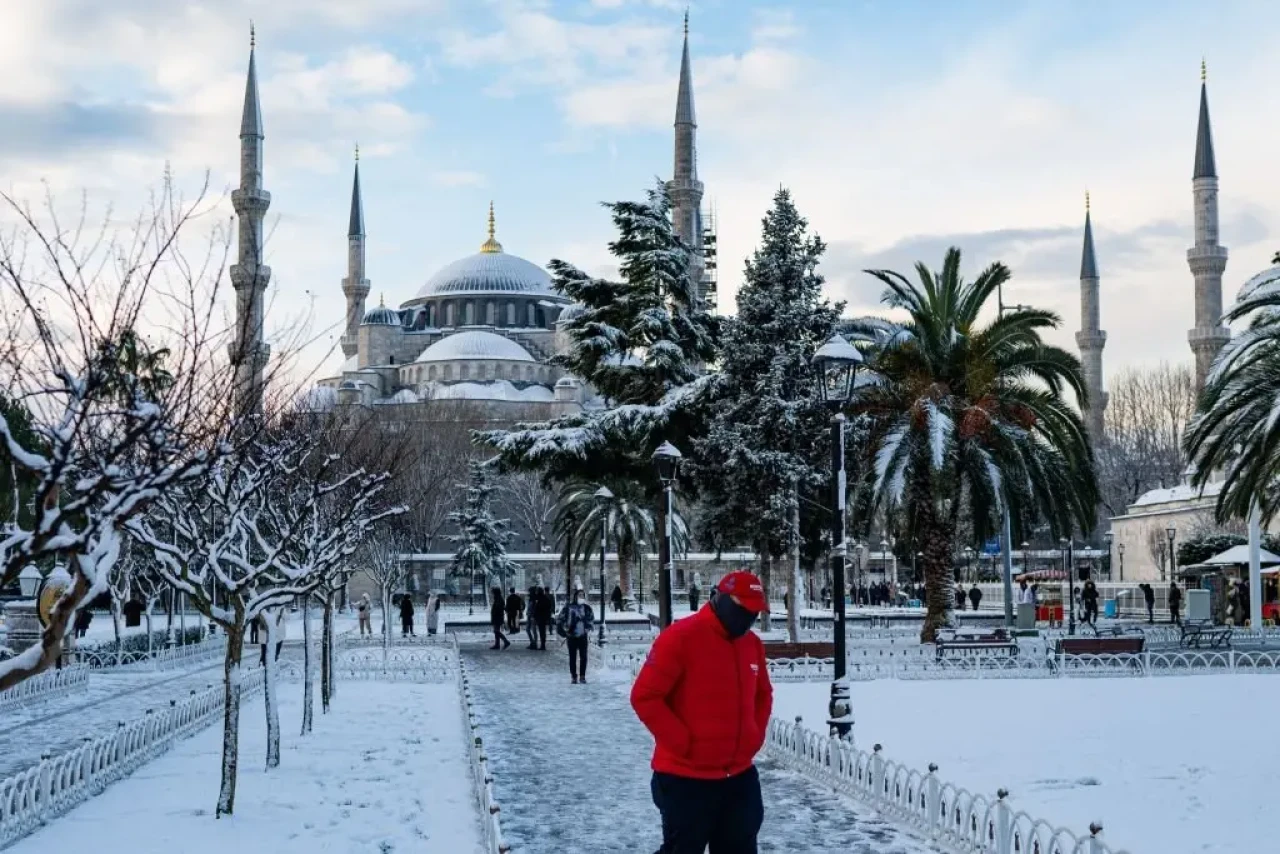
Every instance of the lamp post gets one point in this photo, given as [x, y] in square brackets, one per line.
[1025, 557]
[603, 497]
[1107, 538]
[1071, 585]
[857, 548]
[1120, 551]
[640, 547]
[968, 559]
[836, 363]
[1172, 531]
[884, 557]
[666, 459]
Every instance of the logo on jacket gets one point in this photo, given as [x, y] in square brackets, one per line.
[755, 668]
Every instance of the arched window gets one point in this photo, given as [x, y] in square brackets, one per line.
[528, 313]
[449, 314]
[464, 372]
[431, 373]
[447, 372]
[490, 314]
[511, 314]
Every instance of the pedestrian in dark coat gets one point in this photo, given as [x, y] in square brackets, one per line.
[542, 613]
[616, 597]
[406, 615]
[530, 627]
[574, 624]
[1175, 603]
[497, 617]
[515, 608]
[1090, 598]
[960, 598]
[975, 596]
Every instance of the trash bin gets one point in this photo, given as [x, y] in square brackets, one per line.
[1109, 609]
[1026, 616]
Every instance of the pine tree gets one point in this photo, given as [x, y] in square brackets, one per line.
[767, 445]
[640, 342]
[481, 539]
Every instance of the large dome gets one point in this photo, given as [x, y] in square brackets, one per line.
[489, 273]
[474, 344]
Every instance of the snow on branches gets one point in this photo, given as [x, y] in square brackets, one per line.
[481, 539]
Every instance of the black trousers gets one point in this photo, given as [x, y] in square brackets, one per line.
[724, 815]
[542, 635]
[262, 656]
[1151, 613]
[578, 653]
[1173, 614]
[499, 639]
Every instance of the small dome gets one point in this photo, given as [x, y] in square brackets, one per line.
[404, 395]
[475, 344]
[571, 311]
[567, 382]
[381, 316]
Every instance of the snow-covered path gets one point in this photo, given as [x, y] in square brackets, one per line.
[63, 722]
[571, 764]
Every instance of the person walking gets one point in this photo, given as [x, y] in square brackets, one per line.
[530, 626]
[615, 598]
[279, 629]
[497, 619]
[574, 625]
[433, 615]
[960, 597]
[515, 607]
[364, 608]
[406, 615]
[542, 613]
[704, 694]
[83, 617]
[1090, 598]
[1175, 604]
[975, 596]
[1149, 596]
[694, 591]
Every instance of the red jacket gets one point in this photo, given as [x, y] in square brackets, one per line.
[705, 698]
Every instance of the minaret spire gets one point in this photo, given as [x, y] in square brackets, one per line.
[491, 245]
[249, 275]
[355, 286]
[1207, 259]
[1091, 339]
[684, 188]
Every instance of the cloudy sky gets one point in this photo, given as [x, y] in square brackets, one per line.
[901, 126]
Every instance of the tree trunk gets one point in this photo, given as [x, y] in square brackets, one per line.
[386, 622]
[115, 628]
[269, 694]
[307, 676]
[624, 573]
[148, 615]
[796, 586]
[231, 673]
[935, 537]
[326, 655]
[168, 614]
[766, 576]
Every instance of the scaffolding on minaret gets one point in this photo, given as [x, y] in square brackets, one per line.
[710, 274]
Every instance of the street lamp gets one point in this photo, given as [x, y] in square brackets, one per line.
[29, 581]
[858, 547]
[1120, 551]
[667, 461]
[1071, 585]
[640, 547]
[1107, 538]
[836, 363]
[1025, 566]
[1172, 531]
[603, 499]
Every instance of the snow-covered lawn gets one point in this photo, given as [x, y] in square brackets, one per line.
[385, 771]
[1171, 765]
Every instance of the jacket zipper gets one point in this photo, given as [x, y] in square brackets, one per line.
[737, 670]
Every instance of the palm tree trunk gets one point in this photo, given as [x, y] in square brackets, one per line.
[935, 537]
[624, 572]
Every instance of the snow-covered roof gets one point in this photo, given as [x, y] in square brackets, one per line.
[572, 310]
[486, 273]
[475, 344]
[497, 390]
[1181, 492]
[318, 399]
[381, 316]
[1239, 555]
[404, 395]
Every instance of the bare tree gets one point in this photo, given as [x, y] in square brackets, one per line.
[99, 417]
[1142, 442]
[530, 502]
[385, 566]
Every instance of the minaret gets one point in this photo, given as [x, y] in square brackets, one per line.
[1206, 258]
[684, 187]
[355, 286]
[249, 276]
[1091, 339]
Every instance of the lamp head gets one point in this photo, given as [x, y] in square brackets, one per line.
[666, 459]
[836, 362]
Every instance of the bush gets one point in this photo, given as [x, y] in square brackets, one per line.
[138, 642]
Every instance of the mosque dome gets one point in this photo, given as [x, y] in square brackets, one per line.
[489, 271]
[475, 344]
[381, 316]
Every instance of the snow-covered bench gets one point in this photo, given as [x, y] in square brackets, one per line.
[1194, 635]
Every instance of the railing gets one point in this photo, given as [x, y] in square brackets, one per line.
[952, 818]
[481, 776]
[160, 658]
[43, 792]
[45, 686]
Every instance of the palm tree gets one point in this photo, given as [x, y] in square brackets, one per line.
[626, 516]
[1236, 430]
[961, 412]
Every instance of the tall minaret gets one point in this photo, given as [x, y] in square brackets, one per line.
[249, 276]
[1091, 339]
[355, 286]
[1206, 258]
[684, 187]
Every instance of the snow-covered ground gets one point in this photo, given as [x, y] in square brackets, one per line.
[1171, 765]
[385, 771]
[571, 768]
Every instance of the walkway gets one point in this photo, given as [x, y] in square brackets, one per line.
[571, 764]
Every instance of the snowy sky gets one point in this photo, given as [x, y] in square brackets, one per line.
[901, 126]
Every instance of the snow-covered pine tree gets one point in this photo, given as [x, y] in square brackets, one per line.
[766, 444]
[639, 342]
[481, 539]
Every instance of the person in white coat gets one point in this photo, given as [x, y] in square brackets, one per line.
[433, 614]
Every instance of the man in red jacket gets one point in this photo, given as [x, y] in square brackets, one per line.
[704, 693]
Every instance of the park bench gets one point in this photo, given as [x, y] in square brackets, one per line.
[959, 644]
[1113, 645]
[1196, 635]
[808, 649]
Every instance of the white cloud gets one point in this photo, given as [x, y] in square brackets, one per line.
[458, 178]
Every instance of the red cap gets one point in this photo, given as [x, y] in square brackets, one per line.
[746, 588]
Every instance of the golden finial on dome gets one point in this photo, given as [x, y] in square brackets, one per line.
[491, 245]
[1204, 70]
[382, 300]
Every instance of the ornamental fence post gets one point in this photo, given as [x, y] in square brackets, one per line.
[877, 773]
[932, 801]
[1003, 818]
[1094, 842]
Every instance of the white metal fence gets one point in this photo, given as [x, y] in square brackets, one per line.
[160, 658]
[481, 776]
[45, 686]
[952, 818]
[42, 792]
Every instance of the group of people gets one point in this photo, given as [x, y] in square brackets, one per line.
[364, 613]
[574, 623]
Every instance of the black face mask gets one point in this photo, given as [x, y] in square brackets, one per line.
[737, 620]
